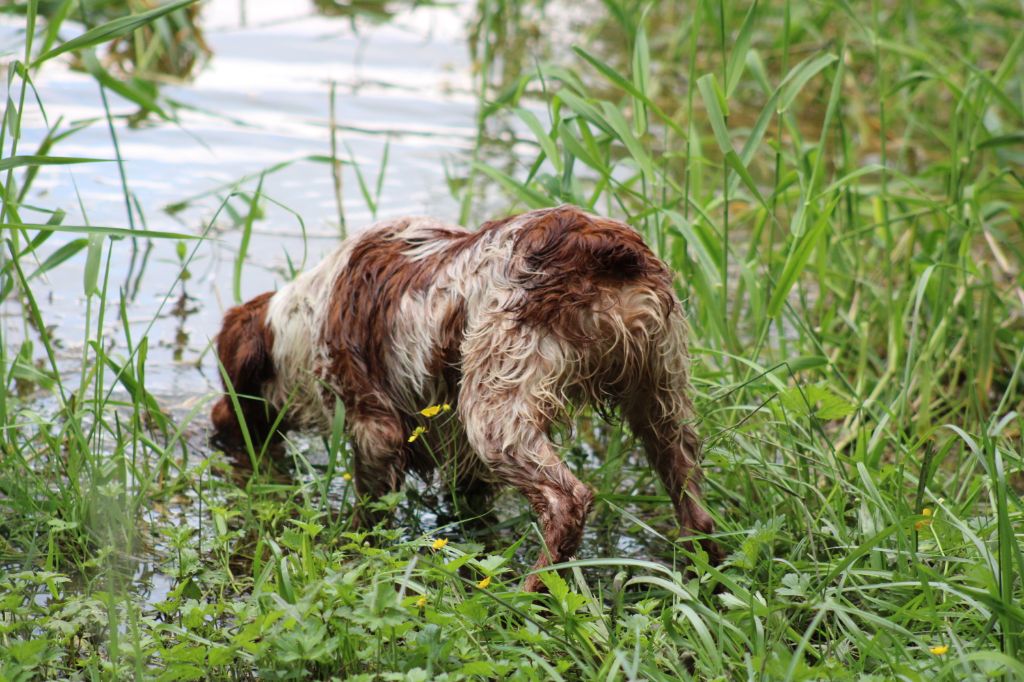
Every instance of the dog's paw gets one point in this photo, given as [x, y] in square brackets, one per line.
[697, 523]
[533, 583]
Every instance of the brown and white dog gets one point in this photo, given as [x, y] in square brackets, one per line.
[514, 325]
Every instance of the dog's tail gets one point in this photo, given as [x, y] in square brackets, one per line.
[570, 261]
[618, 258]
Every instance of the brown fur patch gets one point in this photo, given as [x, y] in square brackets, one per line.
[244, 347]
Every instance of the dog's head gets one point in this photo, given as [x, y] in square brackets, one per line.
[244, 349]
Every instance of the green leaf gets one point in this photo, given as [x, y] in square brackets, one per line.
[112, 29]
[482, 668]
[818, 400]
[97, 229]
[578, 149]
[641, 76]
[132, 89]
[625, 134]
[835, 407]
[60, 255]
[714, 105]
[798, 79]
[714, 102]
[547, 145]
[18, 161]
[734, 162]
[527, 195]
[243, 246]
[133, 384]
[1009, 140]
[584, 109]
[738, 53]
[10, 118]
[624, 83]
[23, 368]
[491, 563]
[797, 258]
[92, 264]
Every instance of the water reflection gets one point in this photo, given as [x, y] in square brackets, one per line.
[377, 10]
[171, 46]
[261, 102]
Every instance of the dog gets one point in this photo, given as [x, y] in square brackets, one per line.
[463, 350]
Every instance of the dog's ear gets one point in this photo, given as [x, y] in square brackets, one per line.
[244, 348]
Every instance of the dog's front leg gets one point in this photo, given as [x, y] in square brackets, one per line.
[379, 456]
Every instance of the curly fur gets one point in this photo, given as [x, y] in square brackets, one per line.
[513, 324]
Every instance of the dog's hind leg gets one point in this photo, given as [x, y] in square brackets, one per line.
[673, 450]
[509, 434]
[660, 414]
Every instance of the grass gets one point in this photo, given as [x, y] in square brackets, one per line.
[838, 187]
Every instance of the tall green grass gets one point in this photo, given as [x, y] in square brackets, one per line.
[838, 188]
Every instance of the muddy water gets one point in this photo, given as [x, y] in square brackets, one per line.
[261, 100]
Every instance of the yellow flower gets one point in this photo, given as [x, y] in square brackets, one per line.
[439, 543]
[939, 650]
[446, 408]
[421, 602]
[346, 476]
[431, 411]
[484, 583]
[921, 523]
[416, 433]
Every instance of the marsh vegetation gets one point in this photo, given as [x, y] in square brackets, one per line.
[839, 187]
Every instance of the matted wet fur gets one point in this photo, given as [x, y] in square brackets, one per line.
[512, 325]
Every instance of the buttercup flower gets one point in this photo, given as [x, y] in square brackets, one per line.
[439, 543]
[431, 411]
[346, 476]
[484, 583]
[918, 525]
[939, 650]
[421, 602]
[416, 433]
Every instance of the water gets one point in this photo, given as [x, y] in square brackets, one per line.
[261, 100]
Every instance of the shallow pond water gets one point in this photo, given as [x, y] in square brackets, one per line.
[261, 100]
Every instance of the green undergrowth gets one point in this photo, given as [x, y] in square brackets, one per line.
[839, 189]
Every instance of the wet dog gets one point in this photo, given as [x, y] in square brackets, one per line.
[508, 328]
